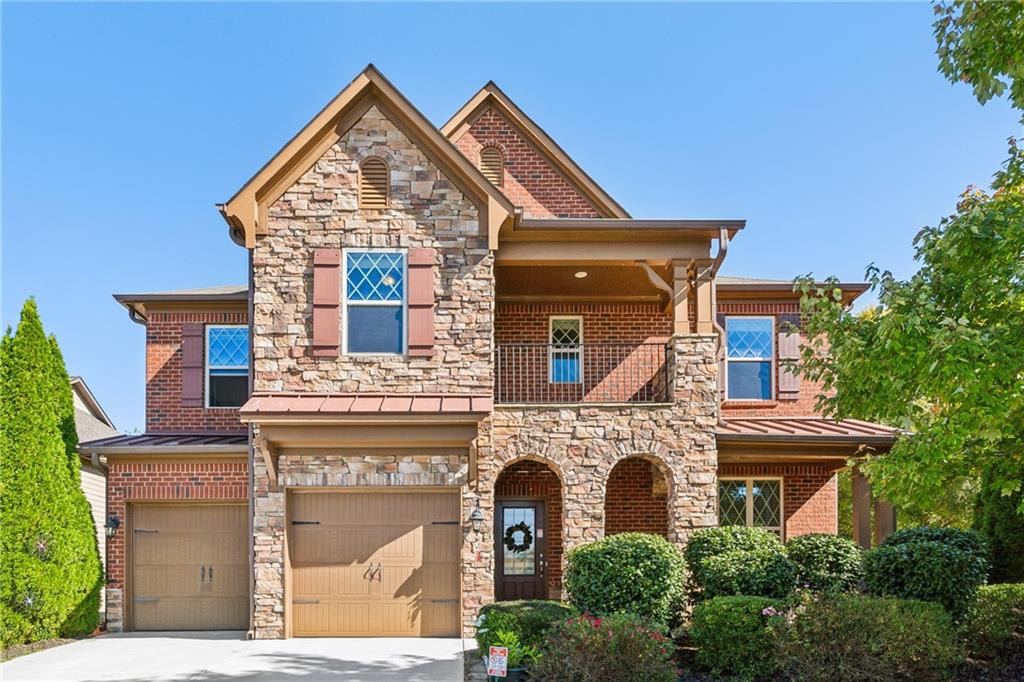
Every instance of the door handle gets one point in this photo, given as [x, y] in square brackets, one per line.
[377, 574]
[202, 573]
[368, 573]
[211, 573]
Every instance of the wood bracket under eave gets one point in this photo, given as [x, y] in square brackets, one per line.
[658, 283]
[270, 459]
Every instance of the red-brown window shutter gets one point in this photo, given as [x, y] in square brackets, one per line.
[421, 301]
[192, 364]
[326, 303]
[789, 355]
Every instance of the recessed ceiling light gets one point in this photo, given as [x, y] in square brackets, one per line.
[581, 274]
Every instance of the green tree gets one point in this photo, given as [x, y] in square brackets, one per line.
[51, 577]
[943, 357]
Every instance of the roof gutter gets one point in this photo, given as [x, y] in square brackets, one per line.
[239, 449]
[135, 316]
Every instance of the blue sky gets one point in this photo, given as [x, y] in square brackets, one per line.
[826, 126]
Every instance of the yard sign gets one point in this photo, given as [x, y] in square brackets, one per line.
[497, 661]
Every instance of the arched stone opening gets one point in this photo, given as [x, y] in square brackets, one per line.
[636, 498]
[528, 494]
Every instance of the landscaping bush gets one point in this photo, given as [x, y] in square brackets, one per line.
[709, 542]
[966, 540]
[850, 637]
[997, 519]
[925, 570]
[635, 573]
[50, 576]
[761, 572]
[826, 563]
[620, 647]
[735, 636]
[529, 620]
[995, 620]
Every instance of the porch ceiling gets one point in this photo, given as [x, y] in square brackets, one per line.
[603, 282]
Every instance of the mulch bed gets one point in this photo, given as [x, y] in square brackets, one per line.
[32, 647]
[1010, 667]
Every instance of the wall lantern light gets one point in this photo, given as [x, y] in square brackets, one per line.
[112, 524]
[477, 517]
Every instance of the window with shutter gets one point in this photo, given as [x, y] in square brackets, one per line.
[492, 165]
[750, 358]
[227, 365]
[374, 183]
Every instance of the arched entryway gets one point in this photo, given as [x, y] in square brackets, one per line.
[636, 498]
[528, 532]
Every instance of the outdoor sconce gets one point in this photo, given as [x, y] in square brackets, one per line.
[477, 517]
[112, 524]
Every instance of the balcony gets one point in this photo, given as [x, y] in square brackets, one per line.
[547, 374]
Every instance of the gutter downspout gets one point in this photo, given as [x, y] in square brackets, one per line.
[135, 316]
[252, 478]
[723, 248]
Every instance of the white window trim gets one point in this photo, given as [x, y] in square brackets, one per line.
[771, 360]
[387, 304]
[748, 481]
[551, 348]
[207, 367]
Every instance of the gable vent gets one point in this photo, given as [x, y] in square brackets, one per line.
[492, 165]
[373, 184]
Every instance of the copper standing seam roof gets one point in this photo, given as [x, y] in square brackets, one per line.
[805, 429]
[168, 442]
[328, 404]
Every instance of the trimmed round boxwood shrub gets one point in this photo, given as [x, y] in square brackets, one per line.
[966, 540]
[735, 636]
[528, 619]
[925, 570]
[636, 573]
[761, 572]
[995, 620]
[826, 563]
[851, 637]
[621, 647]
[709, 542]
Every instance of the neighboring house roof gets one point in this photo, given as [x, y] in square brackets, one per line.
[805, 429]
[337, 404]
[492, 96]
[768, 288]
[136, 303]
[156, 443]
[91, 422]
[246, 211]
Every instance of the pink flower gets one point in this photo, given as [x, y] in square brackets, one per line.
[769, 611]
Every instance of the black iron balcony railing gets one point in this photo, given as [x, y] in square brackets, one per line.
[543, 373]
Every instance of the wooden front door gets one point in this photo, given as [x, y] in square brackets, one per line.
[371, 564]
[520, 549]
[189, 567]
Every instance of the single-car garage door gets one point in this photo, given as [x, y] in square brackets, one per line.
[374, 563]
[189, 567]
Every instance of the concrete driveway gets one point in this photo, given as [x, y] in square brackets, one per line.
[223, 656]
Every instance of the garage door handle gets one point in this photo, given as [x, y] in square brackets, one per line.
[145, 530]
[211, 573]
[145, 600]
[305, 523]
[202, 573]
[305, 601]
[444, 601]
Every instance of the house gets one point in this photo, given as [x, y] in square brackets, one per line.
[92, 423]
[457, 356]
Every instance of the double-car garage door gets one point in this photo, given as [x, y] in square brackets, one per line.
[374, 563]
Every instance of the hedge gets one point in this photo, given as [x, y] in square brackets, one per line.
[530, 620]
[51, 576]
[998, 520]
[709, 542]
[761, 572]
[995, 620]
[826, 562]
[735, 636]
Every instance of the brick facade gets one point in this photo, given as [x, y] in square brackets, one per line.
[530, 181]
[531, 479]
[810, 494]
[134, 480]
[637, 499]
[164, 410]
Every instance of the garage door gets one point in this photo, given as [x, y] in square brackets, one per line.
[374, 564]
[189, 567]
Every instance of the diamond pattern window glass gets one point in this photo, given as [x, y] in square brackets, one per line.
[750, 502]
[750, 357]
[375, 296]
[227, 366]
[565, 352]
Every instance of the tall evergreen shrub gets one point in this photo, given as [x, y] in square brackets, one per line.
[50, 576]
[998, 519]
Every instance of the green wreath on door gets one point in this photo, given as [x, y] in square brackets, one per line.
[510, 538]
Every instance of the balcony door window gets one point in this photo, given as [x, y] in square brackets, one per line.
[751, 502]
[565, 350]
[375, 300]
[227, 365]
[750, 358]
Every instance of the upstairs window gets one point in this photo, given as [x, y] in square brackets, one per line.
[751, 502]
[750, 357]
[227, 365]
[492, 165]
[375, 302]
[565, 352]
[374, 184]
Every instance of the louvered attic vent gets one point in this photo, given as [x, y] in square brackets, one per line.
[491, 165]
[373, 184]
